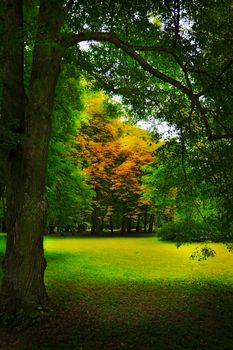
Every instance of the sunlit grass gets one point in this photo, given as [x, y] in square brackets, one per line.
[133, 259]
[114, 260]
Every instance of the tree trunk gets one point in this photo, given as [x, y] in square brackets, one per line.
[123, 225]
[151, 223]
[138, 224]
[95, 222]
[129, 224]
[26, 162]
[145, 219]
[111, 223]
[95, 216]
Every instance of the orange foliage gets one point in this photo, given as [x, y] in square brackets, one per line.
[113, 154]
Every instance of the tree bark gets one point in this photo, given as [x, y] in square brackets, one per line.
[25, 163]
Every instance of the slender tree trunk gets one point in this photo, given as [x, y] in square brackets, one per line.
[95, 222]
[138, 224]
[123, 225]
[129, 224]
[26, 163]
[95, 216]
[151, 223]
[145, 219]
[111, 224]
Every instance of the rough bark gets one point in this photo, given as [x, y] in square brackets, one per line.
[26, 162]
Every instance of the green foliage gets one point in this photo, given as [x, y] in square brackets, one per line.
[192, 179]
[68, 194]
[203, 254]
[182, 231]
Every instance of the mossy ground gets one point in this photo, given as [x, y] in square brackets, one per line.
[132, 293]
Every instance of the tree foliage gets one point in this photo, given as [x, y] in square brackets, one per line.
[112, 152]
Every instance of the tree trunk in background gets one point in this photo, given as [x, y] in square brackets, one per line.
[151, 223]
[129, 224]
[95, 222]
[111, 224]
[145, 220]
[123, 225]
[26, 162]
[95, 216]
[138, 224]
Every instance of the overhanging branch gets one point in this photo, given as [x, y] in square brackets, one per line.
[130, 49]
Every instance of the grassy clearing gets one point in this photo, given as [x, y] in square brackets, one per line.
[133, 293]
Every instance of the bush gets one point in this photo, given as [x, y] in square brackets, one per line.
[186, 232]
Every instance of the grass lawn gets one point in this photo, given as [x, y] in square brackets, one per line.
[132, 293]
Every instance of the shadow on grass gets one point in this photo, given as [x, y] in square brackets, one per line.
[140, 317]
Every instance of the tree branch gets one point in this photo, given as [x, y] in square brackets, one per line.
[73, 39]
[112, 38]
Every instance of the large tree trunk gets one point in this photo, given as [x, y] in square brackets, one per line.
[26, 162]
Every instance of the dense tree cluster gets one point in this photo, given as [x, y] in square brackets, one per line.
[113, 153]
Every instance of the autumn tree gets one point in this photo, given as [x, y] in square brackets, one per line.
[113, 152]
[97, 151]
[135, 151]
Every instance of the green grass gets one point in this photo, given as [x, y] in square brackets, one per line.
[133, 293]
[119, 260]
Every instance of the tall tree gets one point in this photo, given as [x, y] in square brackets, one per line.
[26, 119]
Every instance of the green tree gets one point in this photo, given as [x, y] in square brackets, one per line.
[69, 197]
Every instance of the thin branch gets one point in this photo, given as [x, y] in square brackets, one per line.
[215, 79]
[224, 69]
[217, 120]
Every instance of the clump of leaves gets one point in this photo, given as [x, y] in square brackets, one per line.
[202, 253]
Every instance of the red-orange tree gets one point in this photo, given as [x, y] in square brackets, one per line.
[113, 154]
[136, 151]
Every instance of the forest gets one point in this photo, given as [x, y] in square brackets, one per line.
[115, 126]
